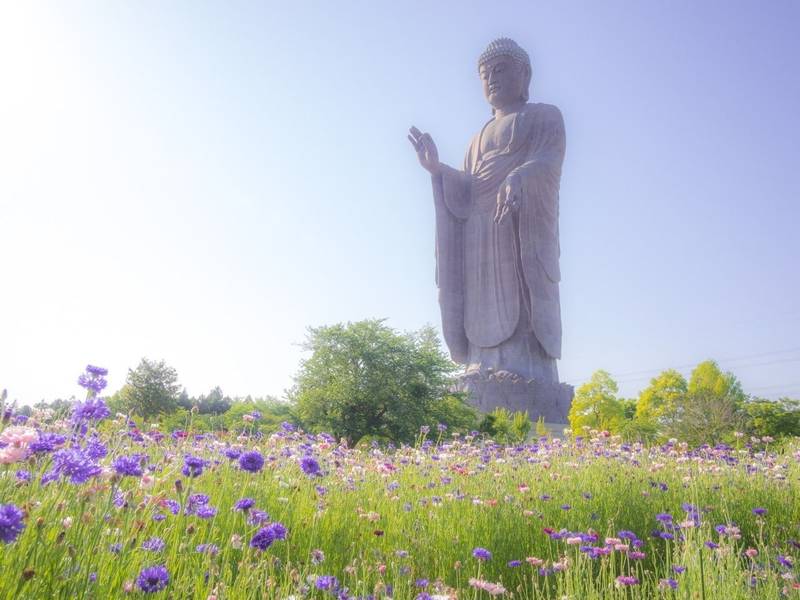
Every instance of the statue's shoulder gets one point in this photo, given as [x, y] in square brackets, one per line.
[540, 110]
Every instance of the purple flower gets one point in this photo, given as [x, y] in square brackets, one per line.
[244, 504]
[421, 583]
[664, 517]
[154, 544]
[211, 549]
[173, 506]
[119, 499]
[668, 583]
[514, 563]
[627, 580]
[265, 536]
[251, 461]
[232, 453]
[11, 524]
[95, 449]
[153, 579]
[785, 561]
[93, 409]
[23, 475]
[257, 517]
[198, 500]
[206, 512]
[482, 554]
[129, 466]
[678, 569]
[759, 512]
[310, 466]
[96, 371]
[193, 466]
[326, 582]
[93, 381]
[74, 464]
[47, 442]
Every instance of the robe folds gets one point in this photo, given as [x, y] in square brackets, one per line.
[492, 277]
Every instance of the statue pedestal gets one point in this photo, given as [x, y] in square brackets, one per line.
[503, 389]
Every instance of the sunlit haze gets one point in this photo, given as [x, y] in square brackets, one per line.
[201, 182]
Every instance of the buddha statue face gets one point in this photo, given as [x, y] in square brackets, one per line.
[505, 81]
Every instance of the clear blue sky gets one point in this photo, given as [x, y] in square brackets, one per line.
[201, 182]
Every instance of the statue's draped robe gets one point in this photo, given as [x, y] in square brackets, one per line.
[498, 283]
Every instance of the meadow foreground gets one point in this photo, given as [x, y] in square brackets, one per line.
[94, 507]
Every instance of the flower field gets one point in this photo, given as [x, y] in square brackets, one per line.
[98, 506]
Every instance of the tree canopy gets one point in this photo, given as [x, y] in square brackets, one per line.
[596, 405]
[151, 389]
[364, 378]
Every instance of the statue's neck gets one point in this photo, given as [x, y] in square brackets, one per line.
[511, 109]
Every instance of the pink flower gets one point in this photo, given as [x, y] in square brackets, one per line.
[572, 541]
[16, 438]
[12, 454]
[19, 435]
[493, 589]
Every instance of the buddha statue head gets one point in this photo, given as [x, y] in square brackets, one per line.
[505, 71]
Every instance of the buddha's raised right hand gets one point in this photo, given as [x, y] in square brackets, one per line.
[427, 153]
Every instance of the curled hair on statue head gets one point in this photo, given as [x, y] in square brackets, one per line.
[508, 47]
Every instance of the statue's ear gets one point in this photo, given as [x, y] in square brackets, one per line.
[526, 82]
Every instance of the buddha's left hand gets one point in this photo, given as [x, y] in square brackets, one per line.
[508, 197]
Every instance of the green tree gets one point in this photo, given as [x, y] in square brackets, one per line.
[151, 389]
[713, 408]
[272, 412]
[364, 378]
[541, 428]
[214, 403]
[775, 418]
[660, 405]
[505, 426]
[595, 405]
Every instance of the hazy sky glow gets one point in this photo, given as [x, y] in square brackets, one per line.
[200, 182]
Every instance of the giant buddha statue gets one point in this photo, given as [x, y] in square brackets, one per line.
[497, 244]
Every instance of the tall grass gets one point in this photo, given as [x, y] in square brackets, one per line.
[404, 522]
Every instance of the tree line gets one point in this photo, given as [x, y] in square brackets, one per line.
[711, 407]
[365, 381]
